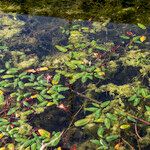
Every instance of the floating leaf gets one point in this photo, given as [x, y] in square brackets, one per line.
[56, 79]
[97, 142]
[12, 71]
[60, 48]
[1, 135]
[112, 138]
[105, 104]
[34, 146]
[11, 111]
[125, 37]
[103, 143]
[131, 119]
[42, 69]
[107, 123]
[55, 139]
[136, 101]
[92, 109]
[141, 26]
[40, 98]
[10, 146]
[44, 133]
[2, 70]
[7, 76]
[100, 132]
[125, 126]
[7, 65]
[142, 38]
[82, 122]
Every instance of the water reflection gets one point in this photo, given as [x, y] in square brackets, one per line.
[39, 34]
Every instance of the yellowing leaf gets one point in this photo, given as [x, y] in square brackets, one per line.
[44, 133]
[34, 96]
[1, 135]
[142, 38]
[31, 71]
[10, 146]
[125, 126]
[117, 146]
[1, 92]
[42, 69]
[50, 103]
[59, 148]
[56, 79]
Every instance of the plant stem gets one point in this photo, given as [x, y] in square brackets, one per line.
[139, 119]
[90, 99]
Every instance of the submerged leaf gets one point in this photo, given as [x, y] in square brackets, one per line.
[60, 48]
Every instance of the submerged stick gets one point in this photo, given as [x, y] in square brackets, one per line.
[90, 99]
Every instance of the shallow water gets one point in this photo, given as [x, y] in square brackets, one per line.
[40, 34]
[36, 38]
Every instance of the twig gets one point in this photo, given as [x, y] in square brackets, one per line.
[73, 119]
[139, 119]
[136, 131]
[90, 99]
[132, 148]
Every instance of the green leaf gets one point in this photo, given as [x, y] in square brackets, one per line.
[82, 122]
[34, 146]
[91, 109]
[7, 76]
[1, 99]
[28, 143]
[96, 105]
[100, 132]
[71, 65]
[2, 70]
[12, 71]
[125, 37]
[136, 38]
[107, 123]
[21, 85]
[40, 98]
[103, 143]
[111, 116]
[105, 104]
[141, 26]
[11, 111]
[56, 79]
[101, 48]
[136, 101]
[132, 98]
[7, 65]
[97, 142]
[147, 108]
[61, 48]
[55, 139]
[112, 138]
[131, 119]
[29, 84]
[97, 113]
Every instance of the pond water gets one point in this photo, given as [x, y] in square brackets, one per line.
[31, 53]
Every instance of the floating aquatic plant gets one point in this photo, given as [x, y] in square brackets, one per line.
[87, 69]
